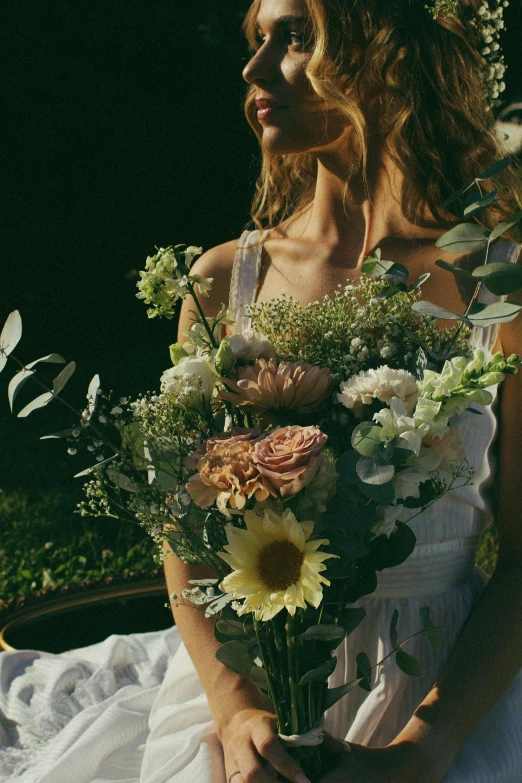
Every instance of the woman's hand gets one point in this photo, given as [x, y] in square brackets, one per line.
[392, 764]
[250, 742]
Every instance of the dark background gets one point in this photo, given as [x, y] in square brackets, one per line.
[123, 130]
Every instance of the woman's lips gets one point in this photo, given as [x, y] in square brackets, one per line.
[267, 112]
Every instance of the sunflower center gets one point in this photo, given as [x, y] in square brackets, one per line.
[279, 565]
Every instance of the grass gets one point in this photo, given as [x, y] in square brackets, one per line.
[44, 545]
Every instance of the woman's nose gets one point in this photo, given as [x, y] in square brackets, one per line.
[259, 69]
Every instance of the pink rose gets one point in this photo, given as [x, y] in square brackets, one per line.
[290, 457]
[235, 435]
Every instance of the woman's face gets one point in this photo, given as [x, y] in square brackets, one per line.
[293, 118]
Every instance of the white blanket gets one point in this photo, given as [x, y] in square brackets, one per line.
[99, 715]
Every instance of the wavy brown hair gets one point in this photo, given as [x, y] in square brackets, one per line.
[404, 82]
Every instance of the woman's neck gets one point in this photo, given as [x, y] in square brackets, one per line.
[374, 212]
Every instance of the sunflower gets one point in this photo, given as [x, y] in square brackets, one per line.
[275, 564]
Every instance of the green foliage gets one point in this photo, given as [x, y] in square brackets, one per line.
[45, 545]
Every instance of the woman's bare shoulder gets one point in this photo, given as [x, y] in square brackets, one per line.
[217, 263]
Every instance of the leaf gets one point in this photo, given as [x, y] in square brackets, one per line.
[388, 291]
[346, 468]
[455, 270]
[235, 655]
[323, 633]
[383, 494]
[434, 311]
[419, 281]
[464, 238]
[259, 677]
[505, 226]
[39, 402]
[390, 552]
[496, 313]
[408, 664]
[101, 464]
[216, 606]
[203, 582]
[61, 379]
[51, 358]
[500, 278]
[388, 271]
[225, 630]
[92, 393]
[320, 673]
[375, 471]
[16, 383]
[364, 671]
[495, 169]
[350, 618]
[62, 433]
[393, 629]
[431, 632]
[365, 438]
[457, 194]
[475, 205]
[11, 333]
[334, 694]
[419, 363]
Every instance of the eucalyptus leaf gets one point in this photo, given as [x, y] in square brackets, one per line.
[492, 171]
[216, 606]
[39, 402]
[231, 629]
[364, 671]
[395, 288]
[62, 433]
[496, 313]
[346, 468]
[375, 471]
[203, 582]
[479, 204]
[320, 673]
[408, 664]
[334, 694]
[259, 677]
[388, 552]
[323, 633]
[92, 393]
[464, 238]
[51, 358]
[431, 632]
[419, 281]
[11, 333]
[505, 226]
[383, 494]
[455, 270]
[365, 438]
[351, 617]
[393, 629]
[389, 271]
[16, 383]
[500, 278]
[457, 194]
[101, 464]
[61, 379]
[235, 655]
[434, 311]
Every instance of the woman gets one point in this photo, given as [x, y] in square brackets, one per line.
[369, 115]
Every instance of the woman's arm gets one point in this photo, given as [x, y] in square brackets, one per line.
[488, 653]
[243, 723]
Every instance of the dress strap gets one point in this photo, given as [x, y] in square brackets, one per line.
[245, 276]
[486, 337]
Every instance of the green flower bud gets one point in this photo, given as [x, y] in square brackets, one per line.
[224, 360]
[474, 367]
[495, 359]
[481, 396]
[491, 379]
[177, 352]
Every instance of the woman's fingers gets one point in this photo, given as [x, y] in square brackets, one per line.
[250, 765]
[270, 748]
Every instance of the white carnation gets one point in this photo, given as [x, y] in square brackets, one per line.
[249, 346]
[193, 377]
[382, 384]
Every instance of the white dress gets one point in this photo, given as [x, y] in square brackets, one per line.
[132, 709]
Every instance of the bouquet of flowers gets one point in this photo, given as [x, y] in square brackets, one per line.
[290, 458]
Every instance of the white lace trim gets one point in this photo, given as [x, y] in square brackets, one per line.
[245, 276]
